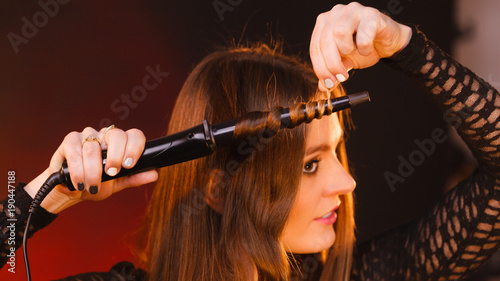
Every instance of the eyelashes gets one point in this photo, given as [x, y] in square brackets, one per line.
[311, 167]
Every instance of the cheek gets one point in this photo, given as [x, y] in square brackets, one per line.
[308, 197]
[302, 212]
[303, 235]
[300, 226]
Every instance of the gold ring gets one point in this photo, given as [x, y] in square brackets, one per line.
[91, 138]
[108, 129]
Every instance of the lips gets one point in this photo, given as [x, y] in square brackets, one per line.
[330, 212]
[327, 215]
[328, 218]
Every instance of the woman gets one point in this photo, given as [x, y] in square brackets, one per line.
[212, 221]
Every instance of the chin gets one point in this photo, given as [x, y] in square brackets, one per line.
[326, 240]
[315, 243]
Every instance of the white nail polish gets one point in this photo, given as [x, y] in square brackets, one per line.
[328, 83]
[112, 171]
[127, 162]
[340, 77]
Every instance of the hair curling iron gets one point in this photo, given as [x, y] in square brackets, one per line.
[193, 143]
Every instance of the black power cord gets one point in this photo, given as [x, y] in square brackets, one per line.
[48, 185]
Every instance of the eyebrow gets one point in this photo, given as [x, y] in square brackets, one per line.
[322, 147]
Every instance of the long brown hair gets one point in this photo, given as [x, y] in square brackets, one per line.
[256, 179]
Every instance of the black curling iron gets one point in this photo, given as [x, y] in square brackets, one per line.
[197, 142]
[193, 143]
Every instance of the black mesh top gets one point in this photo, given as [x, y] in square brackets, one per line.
[463, 229]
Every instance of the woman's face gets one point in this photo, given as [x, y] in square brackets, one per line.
[309, 228]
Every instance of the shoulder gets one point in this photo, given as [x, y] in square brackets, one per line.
[121, 271]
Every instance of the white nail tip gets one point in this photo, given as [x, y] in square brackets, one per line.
[340, 77]
[112, 171]
[128, 162]
[328, 83]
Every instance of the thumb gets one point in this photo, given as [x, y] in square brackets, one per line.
[135, 180]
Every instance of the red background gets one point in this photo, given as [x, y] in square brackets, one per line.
[65, 78]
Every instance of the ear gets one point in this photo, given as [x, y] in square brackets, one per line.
[214, 193]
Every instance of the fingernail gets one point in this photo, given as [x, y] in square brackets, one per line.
[93, 189]
[112, 171]
[81, 186]
[128, 162]
[328, 83]
[340, 77]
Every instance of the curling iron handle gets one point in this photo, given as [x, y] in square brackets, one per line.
[183, 146]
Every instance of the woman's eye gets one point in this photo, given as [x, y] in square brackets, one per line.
[310, 167]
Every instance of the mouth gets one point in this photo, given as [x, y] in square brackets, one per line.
[327, 215]
[328, 218]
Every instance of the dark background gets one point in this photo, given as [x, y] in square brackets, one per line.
[90, 53]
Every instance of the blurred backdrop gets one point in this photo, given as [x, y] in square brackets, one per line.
[68, 64]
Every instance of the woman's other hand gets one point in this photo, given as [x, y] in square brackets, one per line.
[353, 36]
[82, 152]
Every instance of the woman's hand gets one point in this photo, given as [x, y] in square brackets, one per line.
[353, 36]
[83, 156]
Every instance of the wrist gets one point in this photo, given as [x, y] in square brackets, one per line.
[405, 38]
[56, 201]
[33, 186]
[406, 34]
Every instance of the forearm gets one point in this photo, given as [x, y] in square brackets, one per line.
[13, 222]
[463, 229]
[469, 103]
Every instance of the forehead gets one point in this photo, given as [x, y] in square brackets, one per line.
[326, 130]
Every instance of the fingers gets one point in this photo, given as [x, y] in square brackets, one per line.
[367, 30]
[124, 149]
[342, 28]
[83, 154]
[110, 187]
[92, 161]
[343, 38]
[135, 180]
[331, 41]
[83, 158]
[320, 39]
[70, 150]
[134, 148]
[116, 141]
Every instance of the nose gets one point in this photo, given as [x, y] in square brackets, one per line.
[339, 180]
